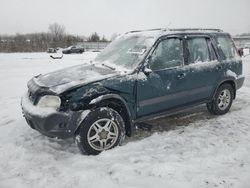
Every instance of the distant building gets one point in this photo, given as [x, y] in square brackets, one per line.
[242, 41]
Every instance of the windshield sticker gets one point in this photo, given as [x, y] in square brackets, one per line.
[137, 50]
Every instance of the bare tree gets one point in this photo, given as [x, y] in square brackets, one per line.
[40, 42]
[57, 30]
[94, 37]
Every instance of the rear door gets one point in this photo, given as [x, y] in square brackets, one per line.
[202, 65]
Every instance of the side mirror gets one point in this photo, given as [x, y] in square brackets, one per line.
[240, 52]
[147, 70]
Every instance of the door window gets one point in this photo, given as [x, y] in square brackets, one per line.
[168, 54]
[197, 50]
[226, 46]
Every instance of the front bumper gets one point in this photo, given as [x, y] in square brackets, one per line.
[49, 121]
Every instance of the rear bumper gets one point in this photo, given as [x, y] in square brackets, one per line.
[239, 82]
[50, 122]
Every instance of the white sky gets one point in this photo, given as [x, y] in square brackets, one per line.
[106, 17]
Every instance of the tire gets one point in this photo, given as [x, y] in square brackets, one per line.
[102, 129]
[222, 101]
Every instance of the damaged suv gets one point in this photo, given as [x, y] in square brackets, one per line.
[139, 76]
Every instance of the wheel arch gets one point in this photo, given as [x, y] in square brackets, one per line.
[117, 103]
[227, 81]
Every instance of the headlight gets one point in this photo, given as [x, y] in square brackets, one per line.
[49, 101]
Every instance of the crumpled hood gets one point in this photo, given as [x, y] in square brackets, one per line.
[62, 80]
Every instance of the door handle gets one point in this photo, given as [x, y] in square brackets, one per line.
[181, 76]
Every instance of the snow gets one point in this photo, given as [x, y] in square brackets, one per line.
[118, 53]
[231, 73]
[246, 51]
[189, 150]
[121, 69]
[81, 77]
[200, 66]
[93, 101]
[142, 76]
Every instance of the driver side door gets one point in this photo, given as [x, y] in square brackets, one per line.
[165, 87]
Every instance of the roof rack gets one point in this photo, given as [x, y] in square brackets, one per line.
[135, 31]
[178, 29]
[196, 29]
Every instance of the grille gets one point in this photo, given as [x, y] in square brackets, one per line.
[35, 91]
[33, 88]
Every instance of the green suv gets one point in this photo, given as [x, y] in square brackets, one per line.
[139, 76]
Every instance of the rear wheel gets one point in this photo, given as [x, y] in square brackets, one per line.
[101, 130]
[222, 101]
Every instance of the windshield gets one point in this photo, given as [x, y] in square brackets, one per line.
[126, 51]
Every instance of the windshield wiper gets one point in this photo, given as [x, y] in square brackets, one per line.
[112, 68]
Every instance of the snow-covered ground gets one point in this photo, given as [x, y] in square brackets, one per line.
[189, 150]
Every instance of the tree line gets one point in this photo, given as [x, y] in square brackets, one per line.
[243, 34]
[56, 37]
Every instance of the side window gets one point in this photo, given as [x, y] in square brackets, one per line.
[168, 53]
[197, 50]
[226, 46]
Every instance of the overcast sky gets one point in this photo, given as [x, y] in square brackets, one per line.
[106, 17]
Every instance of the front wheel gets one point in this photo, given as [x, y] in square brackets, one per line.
[222, 101]
[101, 130]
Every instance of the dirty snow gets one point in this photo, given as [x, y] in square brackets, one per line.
[189, 150]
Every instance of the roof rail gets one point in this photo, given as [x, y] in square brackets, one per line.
[196, 29]
[156, 29]
[177, 29]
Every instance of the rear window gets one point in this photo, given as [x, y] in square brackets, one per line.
[227, 47]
